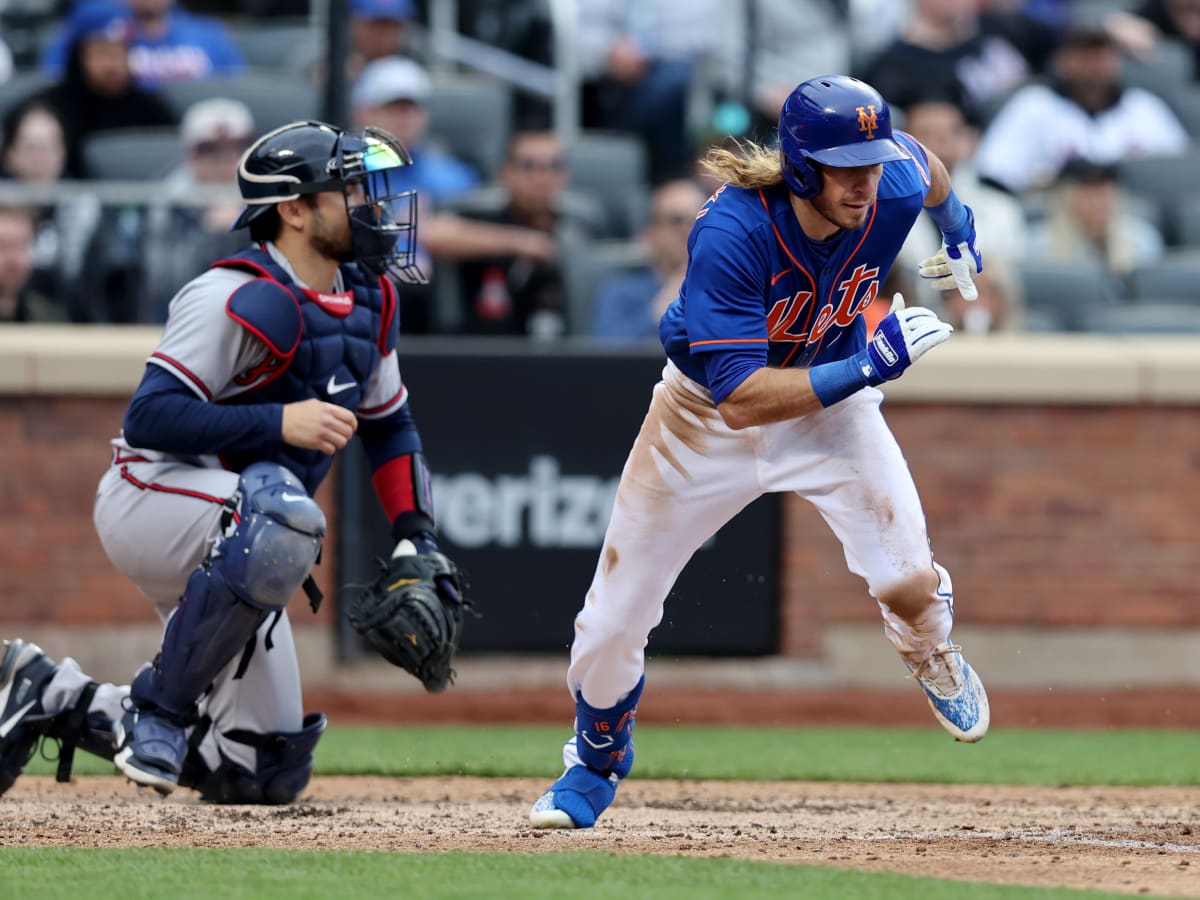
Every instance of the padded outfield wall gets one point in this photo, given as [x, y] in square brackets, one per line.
[1061, 480]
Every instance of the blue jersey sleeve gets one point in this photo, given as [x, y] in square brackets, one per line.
[724, 313]
[165, 415]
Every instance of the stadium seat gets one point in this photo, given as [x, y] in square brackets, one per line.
[1165, 181]
[471, 117]
[1188, 221]
[282, 47]
[20, 86]
[1168, 67]
[1173, 279]
[614, 168]
[1146, 318]
[1184, 101]
[585, 267]
[274, 100]
[1066, 292]
[132, 154]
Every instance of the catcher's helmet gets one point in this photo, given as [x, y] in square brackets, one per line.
[312, 157]
[836, 121]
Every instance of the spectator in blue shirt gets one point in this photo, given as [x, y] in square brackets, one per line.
[169, 44]
[629, 304]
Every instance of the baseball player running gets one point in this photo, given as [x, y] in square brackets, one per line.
[269, 364]
[770, 385]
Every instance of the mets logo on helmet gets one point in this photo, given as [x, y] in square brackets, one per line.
[866, 120]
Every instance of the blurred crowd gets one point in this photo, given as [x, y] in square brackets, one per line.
[1070, 126]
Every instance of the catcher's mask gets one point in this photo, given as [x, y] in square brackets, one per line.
[834, 121]
[365, 167]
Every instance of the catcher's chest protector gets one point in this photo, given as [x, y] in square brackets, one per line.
[339, 343]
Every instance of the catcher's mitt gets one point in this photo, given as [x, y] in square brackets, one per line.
[413, 615]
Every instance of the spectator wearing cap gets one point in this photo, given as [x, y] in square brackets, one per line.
[183, 236]
[1090, 223]
[96, 92]
[1085, 112]
[379, 29]
[393, 94]
[168, 44]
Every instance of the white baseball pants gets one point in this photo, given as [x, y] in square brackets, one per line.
[688, 474]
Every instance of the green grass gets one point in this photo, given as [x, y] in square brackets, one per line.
[49, 874]
[821, 754]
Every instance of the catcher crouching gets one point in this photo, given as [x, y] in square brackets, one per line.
[269, 363]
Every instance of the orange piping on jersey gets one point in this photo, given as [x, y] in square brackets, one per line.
[905, 139]
[837, 278]
[729, 341]
[795, 262]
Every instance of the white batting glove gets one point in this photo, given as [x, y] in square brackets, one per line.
[944, 272]
[903, 337]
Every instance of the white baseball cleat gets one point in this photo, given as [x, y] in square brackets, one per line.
[954, 692]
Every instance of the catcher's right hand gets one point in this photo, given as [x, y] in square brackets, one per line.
[412, 614]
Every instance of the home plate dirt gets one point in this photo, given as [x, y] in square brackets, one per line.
[1130, 840]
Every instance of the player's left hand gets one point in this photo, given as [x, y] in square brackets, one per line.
[955, 265]
[905, 335]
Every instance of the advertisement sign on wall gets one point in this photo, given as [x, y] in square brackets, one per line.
[526, 448]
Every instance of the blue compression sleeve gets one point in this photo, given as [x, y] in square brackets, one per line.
[837, 380]
[165, 415]
[390, 437]
[952, 218]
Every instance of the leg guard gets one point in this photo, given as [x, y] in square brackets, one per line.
[282, 771]
[604, 737]
[598, 757]
[253, 572]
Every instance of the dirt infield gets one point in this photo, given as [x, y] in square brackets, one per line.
[1141, 841]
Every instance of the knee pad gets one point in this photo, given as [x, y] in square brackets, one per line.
[283, 767]
[276, 540]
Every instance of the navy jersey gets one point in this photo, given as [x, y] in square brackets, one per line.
[755, 281]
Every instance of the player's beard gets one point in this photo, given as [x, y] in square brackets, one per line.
[330, 241]
[838, 215]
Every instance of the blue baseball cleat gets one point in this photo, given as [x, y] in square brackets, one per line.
[954, 692]
[152, 749]
[597, 758]
[575, 800]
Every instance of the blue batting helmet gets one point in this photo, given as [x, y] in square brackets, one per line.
[836, 121]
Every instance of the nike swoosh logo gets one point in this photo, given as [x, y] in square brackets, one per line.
[11, 722]
[334, 388]
[604, 744]
[292, 498]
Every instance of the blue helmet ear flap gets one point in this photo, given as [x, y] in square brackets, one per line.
[800, 175]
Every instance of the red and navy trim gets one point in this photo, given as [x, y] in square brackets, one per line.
[168, 489]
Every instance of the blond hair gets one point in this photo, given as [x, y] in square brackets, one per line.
[751, 166]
